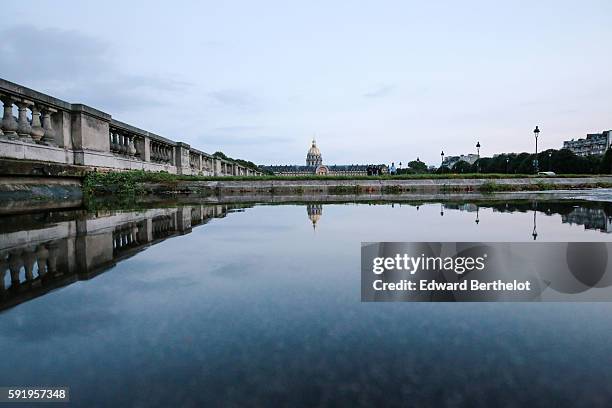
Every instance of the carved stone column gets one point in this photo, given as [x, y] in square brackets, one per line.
[3, 268]
[9, 124]
[37, 130]
[131, 147]
[125, 143]
[15, 262]
[24, 129]
[53, 253]
[29, 258]
[50, 135]
[42, 254]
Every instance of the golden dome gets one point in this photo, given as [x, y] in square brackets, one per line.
[314, 150]
[314, 158]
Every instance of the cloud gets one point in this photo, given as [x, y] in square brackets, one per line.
[235, 98]
[69, 64]
[242, 140]
[381, 91]
[237, 128]
[248, 135]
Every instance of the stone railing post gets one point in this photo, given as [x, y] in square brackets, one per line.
[50, 135]
[146, 149]
[23, 129]
[90, 130]
[9, 124]
[37, 130]
[183, 220]
[181, 158]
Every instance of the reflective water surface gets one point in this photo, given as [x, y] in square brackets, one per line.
[259, 305]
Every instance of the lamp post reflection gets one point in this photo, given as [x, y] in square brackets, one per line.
[534, 234]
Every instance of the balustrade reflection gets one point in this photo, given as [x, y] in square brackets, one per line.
[86, 248]
[24, 267]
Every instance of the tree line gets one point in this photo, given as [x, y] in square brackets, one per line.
[561, 161]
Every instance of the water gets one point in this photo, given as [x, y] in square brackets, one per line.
[259, 305]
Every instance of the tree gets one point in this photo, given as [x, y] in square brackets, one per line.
[417, 166]
[605, 166]
[462, 167]
[443, 170]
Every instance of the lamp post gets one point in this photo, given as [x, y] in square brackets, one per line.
[478, 159]
[536, 133]
[442, 154]
[507, 161]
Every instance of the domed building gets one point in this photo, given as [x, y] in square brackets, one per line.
[314, 158]
[314, 166]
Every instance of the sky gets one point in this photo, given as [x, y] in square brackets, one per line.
[373, 81]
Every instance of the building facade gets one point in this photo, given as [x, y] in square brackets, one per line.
[314, 166]
[593, 144]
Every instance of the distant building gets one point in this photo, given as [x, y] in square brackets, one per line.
[594, 144]
[450, 161]
[314, 165]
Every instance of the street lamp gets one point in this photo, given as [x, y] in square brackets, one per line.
[442, 154]
[536, 133]
[478, 159]
[507, 161]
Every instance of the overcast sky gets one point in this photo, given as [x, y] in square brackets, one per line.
[375, 82]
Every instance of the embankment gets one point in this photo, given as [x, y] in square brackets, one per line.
[21, 193]
[370, 186]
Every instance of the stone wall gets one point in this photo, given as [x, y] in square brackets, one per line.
[47, 129]
[373, 186]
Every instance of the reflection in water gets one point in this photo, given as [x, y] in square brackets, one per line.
[314, 213]
[66, 247]
[256, 310]
[591, 215]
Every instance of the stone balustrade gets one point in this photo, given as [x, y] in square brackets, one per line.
[38, 127]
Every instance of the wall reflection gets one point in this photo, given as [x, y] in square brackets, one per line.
[42, 253]
[592, 215]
